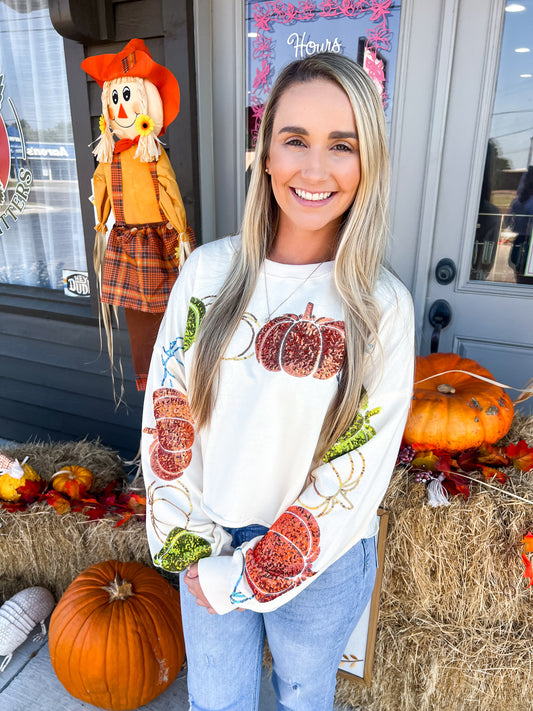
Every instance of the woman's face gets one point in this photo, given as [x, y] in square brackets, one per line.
[313, 158]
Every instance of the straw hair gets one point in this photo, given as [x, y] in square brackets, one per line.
[360, 246]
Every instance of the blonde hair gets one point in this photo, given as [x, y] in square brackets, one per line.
[360, 250]
[148, 148]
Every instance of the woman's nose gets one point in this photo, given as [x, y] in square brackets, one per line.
[315, 165]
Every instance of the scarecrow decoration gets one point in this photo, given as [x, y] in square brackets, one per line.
[150, 238]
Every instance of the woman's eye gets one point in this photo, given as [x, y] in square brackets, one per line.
[294, 142]
[126, 93]
[114, 96]
[343, 148]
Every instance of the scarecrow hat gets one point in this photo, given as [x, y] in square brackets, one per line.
[136, 61]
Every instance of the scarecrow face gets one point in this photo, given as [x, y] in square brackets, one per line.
[124, 107]
[126, 100]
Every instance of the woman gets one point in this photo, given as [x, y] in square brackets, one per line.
[276, 401]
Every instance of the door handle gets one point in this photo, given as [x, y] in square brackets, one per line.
[445, 271]
[440, 315]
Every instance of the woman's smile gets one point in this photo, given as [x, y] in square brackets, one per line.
[312, 197]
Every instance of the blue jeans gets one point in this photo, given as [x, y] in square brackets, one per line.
[307, 637]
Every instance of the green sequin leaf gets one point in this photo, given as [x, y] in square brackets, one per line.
[359, 432]
[194, 319]
[180, 549]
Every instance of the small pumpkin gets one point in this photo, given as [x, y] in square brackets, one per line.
[455, 411]
[115, 636]
[301, 345]
[72, 480]
[9, 484]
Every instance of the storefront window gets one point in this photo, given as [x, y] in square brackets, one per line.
[41, 235]
[503, 248]
[279, 32]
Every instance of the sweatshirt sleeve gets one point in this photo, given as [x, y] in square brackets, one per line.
[338, 506]
[179, 532]
[170, 196]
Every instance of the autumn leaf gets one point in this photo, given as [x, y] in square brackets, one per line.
[58, 501]
[521, 455]
[491, 473]
[426, 461]
[12, 507]
[125, 517]
[446, 464]
[75, 489]
[492, 456]
[528, 572]
[527, 540]
[31, 491]
[468, 460]
[455, 484]
[134, 502]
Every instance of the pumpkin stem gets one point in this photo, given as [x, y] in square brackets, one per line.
[446, 389]
[119, 589]
[309, 311]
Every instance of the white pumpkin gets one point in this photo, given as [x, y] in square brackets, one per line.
[19, 615]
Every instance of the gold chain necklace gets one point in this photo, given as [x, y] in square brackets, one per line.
[269, 311]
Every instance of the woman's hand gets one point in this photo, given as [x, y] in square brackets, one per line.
[193, 583]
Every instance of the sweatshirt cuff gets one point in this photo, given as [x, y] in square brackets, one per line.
[218, 578]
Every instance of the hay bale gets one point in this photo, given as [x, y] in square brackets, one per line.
[454, 627]
[41, 547]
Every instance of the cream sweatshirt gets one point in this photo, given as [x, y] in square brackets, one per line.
[252, 463]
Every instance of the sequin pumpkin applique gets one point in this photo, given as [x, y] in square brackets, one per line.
[170, 451]
[282, 559]
[359, 432]
[194, 319]
[301, 345]
[180, 549]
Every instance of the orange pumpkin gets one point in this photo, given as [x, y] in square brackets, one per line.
[301, 345]
[115, 637]
[72, 480]
[455, 411]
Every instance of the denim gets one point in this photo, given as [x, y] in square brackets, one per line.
[307, 637]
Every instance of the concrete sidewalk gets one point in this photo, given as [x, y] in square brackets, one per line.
[29, 682]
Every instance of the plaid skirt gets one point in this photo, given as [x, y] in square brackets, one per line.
[141, 264]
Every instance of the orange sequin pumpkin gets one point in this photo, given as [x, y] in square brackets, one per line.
[282, 558]
[301, 345]
[170, 452]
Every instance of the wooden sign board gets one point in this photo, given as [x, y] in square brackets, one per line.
[358, 657]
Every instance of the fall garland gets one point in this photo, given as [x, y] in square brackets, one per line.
[111, 500]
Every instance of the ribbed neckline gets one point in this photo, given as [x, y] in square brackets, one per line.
[297, 271]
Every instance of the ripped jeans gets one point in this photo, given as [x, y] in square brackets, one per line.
[307, 637]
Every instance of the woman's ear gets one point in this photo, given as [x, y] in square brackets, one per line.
[267, 164]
